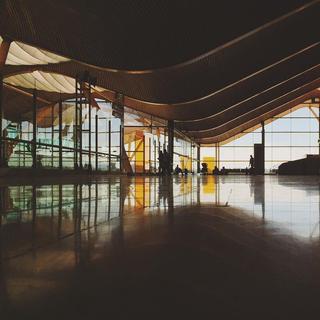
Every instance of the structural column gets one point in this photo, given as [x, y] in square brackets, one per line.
[122, 151]
[319, 125]
[80, 126]
[4, 49]
[150, 156]
[52, 136]
[144, 153]
[90, 115]
[171, 141]
[109, 144]
[75, 128]
[217, 152]
[97, 141]
[317, 116]
[118, 111]
[60, 134]
[198, 159]
[34, 130]
[263, 147]
[259, 165]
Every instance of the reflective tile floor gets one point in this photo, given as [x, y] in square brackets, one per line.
[230, 247]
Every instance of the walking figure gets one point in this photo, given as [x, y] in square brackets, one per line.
[251, 164]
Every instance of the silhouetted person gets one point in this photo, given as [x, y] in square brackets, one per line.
[161, 162]
[177, 170]
[251, 164]
[251, 161]
[204, 169]
[186, 171]
[223, 171]
[216, 171]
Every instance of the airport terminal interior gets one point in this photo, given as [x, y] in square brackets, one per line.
[159, 159]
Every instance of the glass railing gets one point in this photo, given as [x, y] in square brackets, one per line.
[19, 155]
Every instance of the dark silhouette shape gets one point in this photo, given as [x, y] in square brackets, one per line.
[204, 169]
[161, 162]
[223, 171]
[177, 170]
[251, 165]
[251, 162]
[307, 166]
[166, 161]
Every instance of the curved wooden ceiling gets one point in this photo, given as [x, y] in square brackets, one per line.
[211, 66]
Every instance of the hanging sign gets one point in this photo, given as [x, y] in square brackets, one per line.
[118, 106]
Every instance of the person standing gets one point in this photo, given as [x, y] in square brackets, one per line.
[177, 170]
[161, 162]
[251, 164]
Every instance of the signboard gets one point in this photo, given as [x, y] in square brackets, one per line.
[118, 106]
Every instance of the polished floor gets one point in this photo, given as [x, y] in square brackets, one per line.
[229, 247]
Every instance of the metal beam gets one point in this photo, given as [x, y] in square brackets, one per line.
[314, 114]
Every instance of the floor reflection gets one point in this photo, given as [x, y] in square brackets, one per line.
[50, 232]
[33, 215]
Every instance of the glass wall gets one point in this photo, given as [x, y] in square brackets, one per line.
[291, 136]
[184, 153]
[208, 155]
[235, 153]
[288, 136]
[94, 141]
[144, 136]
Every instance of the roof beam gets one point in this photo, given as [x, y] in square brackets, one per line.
[4, 50]
[211, 72]
[254, 121]
[251, 103]
[25, 93]
[259, 114]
